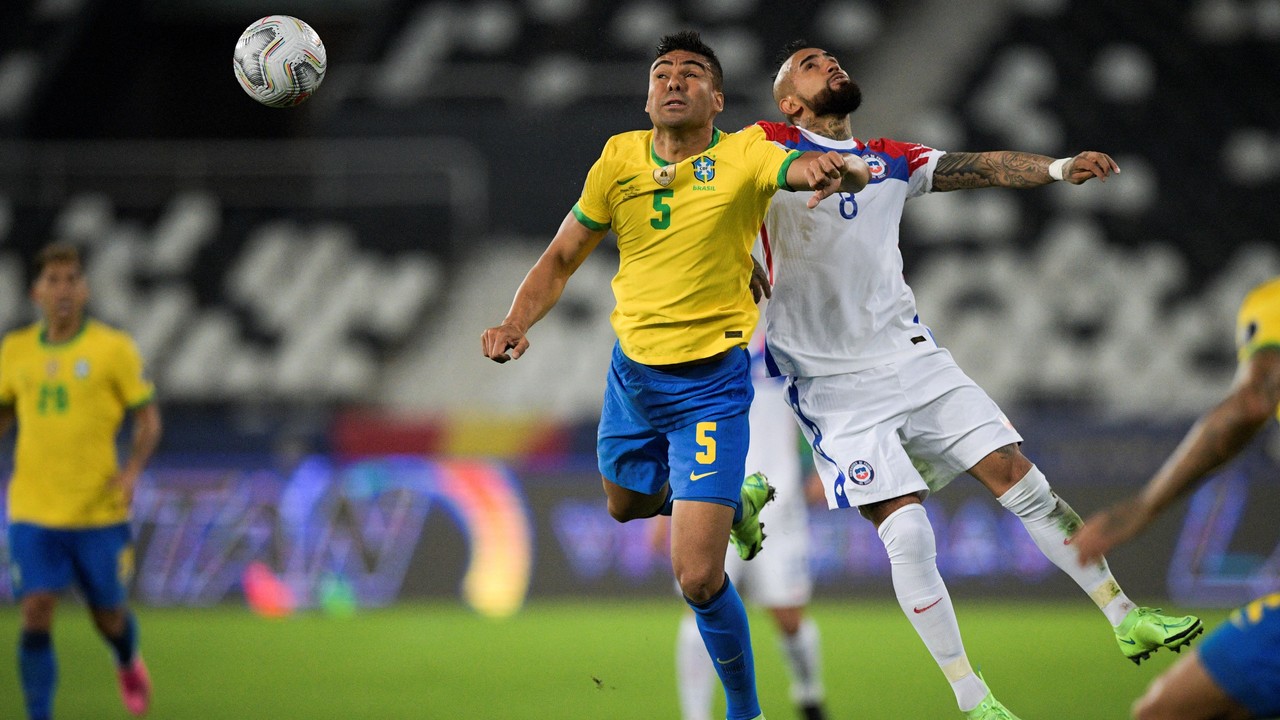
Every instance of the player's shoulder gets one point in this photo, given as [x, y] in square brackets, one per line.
[627, 142]
[1264, 296]
[24, 335]
[783, 133]
[896, 148]
[100, 331]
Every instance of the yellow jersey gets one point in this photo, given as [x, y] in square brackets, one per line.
[685, 232]
[69, 399]
[1258, 324]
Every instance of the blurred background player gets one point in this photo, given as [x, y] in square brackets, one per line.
[673, 431]
[778, 580]
[69, 380]
[888, 412]
[1236, 671]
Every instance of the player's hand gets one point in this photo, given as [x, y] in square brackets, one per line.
[1107, 529]
[1087, 165]
[833, 172]
[760, 287]
[127, 482]
[497, 341]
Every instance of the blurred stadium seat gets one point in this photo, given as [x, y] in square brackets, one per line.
[349, 251]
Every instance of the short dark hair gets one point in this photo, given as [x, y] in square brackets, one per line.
[54, 253]
[691, 41]
[786, 52]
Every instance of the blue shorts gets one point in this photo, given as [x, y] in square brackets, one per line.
[1242, 655]
[98, 560]
[688, 426]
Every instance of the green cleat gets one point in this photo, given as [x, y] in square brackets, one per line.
[747, 535]
[1145, 630]
[990, 709]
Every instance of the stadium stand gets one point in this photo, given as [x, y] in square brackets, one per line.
[357, 265]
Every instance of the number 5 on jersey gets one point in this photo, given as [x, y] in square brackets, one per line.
[663, 221]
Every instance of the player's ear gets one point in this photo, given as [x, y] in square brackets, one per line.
[789, 106]
[718, 100]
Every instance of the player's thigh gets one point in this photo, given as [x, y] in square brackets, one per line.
[851, 422]
[629, 452]
[708, 459]
[1241, 659]
[103, 562]
[40, 559]
[953, 423]
[1187, 692]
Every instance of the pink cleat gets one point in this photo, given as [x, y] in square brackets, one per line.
[135, 687]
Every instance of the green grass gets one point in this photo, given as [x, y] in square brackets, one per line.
[604, 659]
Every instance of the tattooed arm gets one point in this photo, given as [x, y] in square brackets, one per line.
[962, 171]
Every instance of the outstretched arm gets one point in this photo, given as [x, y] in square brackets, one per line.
[1215, 438]
[146, 436]
[962, 170]
[541, 289]
[828, 173]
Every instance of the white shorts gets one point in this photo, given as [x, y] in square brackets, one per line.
[896, 429]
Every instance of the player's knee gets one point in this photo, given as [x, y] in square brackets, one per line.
[37, 611]
[110, 622]
[700, 584]
[908, 537]
[1154, 704]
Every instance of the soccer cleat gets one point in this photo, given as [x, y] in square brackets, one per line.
[1145, 630]
[990, 709]
[135, 686]
[747, 535]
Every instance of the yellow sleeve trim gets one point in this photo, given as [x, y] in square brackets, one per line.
[786, 165]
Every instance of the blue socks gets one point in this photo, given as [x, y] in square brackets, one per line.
[722, 621]
[126, 645]
[39, 673]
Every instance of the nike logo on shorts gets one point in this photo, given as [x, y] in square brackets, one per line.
[695, 477]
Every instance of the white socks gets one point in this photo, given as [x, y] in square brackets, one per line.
[908, 538]
[803, 653]
[1051, 522]
[696, 678]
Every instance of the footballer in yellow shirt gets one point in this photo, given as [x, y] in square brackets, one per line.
[68, 382]
[1236, 670]
[685, 201]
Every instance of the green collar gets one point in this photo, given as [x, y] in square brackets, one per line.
[44, 335]
[653, 153]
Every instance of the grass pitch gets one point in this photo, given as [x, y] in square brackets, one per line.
[608, 660]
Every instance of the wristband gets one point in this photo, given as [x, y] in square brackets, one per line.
[1057, 166]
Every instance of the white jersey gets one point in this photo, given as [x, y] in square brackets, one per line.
[840, 303]
[774, 448]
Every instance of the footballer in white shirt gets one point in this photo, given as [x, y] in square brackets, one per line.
[889, 414]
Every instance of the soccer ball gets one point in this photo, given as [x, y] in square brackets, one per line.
[279, 61]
